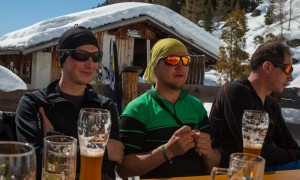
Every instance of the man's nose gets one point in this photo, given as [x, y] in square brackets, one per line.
[290, 77]
[180, 63]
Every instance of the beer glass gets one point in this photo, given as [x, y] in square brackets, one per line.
[242, 166]
[17, 161]
[59, 157]
[254, 128]
[93, 132]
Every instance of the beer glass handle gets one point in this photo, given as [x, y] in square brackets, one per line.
[215, 171]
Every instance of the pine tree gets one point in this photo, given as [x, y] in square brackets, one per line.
[281, 16]
[247, 5]
[175, 5]
[233, 62]
[268, 38]
[233, 5]
[221, 9]
[208, 17]
[270, 15]
[290, 13]
[258, 40]
[271, 37]
[201, 9]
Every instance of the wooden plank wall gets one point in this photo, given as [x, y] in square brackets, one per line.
[197, 69]
[125, 48]
[21, 65]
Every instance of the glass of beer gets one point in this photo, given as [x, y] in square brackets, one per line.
[93, 132]
[59, 157]
[254, 128]
[17, 161]
[242, 166]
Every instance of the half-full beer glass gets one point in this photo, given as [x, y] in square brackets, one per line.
[59, 157]
[254, 128]
[17, 161]
[242, 166]
[93, 132]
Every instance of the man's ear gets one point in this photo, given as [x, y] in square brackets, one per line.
[266, 66]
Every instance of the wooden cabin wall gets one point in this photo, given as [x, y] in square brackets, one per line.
[18, 64]
[99, 36]
[125, 51]
[125, 43]
[196, 70]
[55, 65]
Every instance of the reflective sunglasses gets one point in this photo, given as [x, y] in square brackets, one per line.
[174, 60]
[287, 69]
[82, 55]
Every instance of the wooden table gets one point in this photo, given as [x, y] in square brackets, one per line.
[278, 175]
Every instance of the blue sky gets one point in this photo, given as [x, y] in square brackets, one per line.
[17, 14]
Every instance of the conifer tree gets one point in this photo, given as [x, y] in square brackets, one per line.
[268, 38]
[270, 15]
[175, 5]
[208, 17]
[221, 9]
[201, 9]
[233, 62]
[281, 16]
[290, 14]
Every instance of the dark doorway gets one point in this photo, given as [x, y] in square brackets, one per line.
[140, 54]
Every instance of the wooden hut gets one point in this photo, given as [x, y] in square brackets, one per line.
[135, 27]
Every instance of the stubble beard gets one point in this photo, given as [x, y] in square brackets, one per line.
[174, 86]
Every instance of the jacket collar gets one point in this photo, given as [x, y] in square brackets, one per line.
[183, 93]
[52, 93]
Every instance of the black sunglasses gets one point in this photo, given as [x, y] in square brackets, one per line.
[287, 69]
[82, 55]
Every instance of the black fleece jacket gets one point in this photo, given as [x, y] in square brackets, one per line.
[63, 115]
[226, 117]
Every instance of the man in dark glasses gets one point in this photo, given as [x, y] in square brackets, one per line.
[55, 109]
[271, 71]
[166, 131]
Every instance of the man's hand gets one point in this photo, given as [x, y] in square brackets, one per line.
[203, 144]
[181, 141]
[46, 124]
[115, 150]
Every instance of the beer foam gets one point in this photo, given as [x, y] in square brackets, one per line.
[91, 152]
[252, 145]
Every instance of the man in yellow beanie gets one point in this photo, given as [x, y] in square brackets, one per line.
[166, 131]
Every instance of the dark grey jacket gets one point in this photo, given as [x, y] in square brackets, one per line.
[63, 115]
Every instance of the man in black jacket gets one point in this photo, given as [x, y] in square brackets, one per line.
[271, 71]
[55, 109]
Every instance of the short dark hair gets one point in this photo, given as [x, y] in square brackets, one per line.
[270, 51]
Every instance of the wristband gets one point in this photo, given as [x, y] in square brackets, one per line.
[164, 151]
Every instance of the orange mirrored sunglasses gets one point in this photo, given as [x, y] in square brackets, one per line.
[287, 69]
[174, 60]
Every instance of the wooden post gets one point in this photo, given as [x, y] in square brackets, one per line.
[130, 84]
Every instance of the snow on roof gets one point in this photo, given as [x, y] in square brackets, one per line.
[50, 29]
